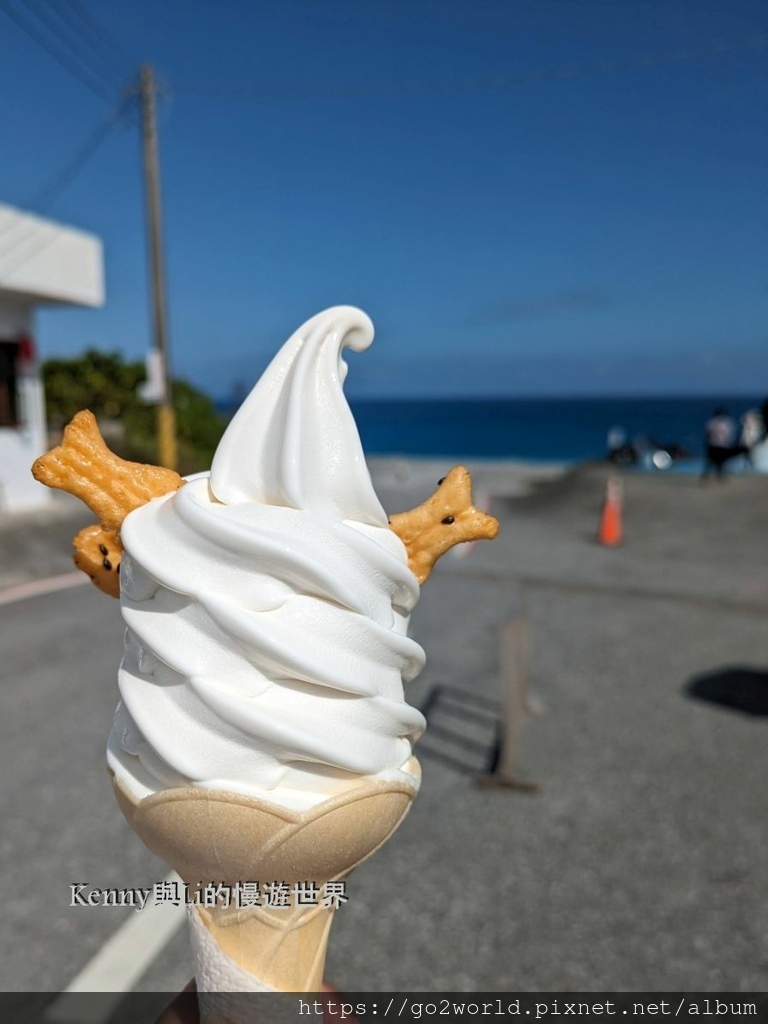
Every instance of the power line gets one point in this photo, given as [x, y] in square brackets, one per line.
[95, 63]
[96, 87]
[40, 237]
[43, 198]
[91, 27]
[90, 56]
[501, 81]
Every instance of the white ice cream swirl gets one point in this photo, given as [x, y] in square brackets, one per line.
[267, 603]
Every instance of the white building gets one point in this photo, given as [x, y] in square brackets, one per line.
[41, 264]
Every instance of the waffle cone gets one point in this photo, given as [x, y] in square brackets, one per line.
[221, 837]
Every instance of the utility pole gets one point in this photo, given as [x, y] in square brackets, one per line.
[166, 419]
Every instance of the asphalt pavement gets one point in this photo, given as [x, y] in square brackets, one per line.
[639, 864]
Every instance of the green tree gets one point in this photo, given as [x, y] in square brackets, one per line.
[105, 384]
[99, 381]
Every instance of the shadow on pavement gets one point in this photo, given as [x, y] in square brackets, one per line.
[736, 687]
[462, 729]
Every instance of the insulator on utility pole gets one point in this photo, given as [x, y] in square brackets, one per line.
[166, 420]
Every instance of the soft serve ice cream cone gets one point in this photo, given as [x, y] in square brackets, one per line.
[262, 732]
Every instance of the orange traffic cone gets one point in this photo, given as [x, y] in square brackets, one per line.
[609, 532]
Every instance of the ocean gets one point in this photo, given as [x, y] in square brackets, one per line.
[537, 429]
[534, 429]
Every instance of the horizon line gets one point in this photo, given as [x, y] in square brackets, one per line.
[714, 396]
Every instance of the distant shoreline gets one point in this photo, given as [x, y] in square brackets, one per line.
[229, 406]
[540, 430]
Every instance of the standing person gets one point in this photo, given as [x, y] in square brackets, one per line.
[752, 432]
[619, 449]
[720, 434]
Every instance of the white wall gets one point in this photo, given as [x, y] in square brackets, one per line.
[20, 446]
[41, 263]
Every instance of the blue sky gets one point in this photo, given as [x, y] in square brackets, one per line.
[519, 204]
